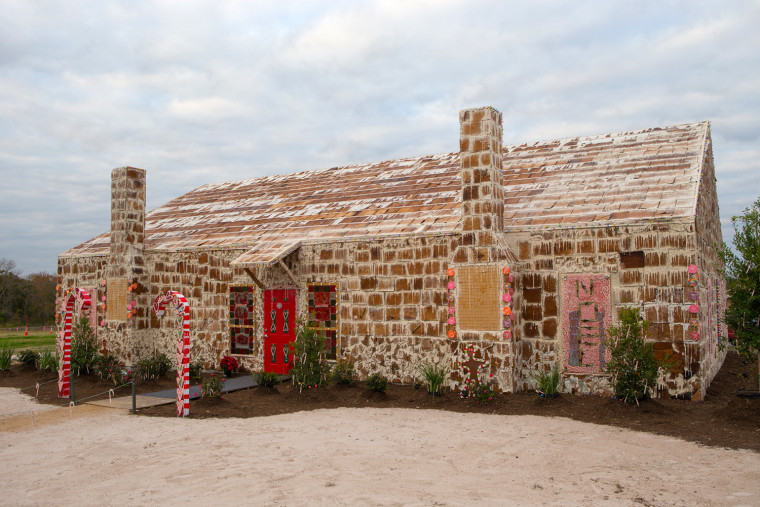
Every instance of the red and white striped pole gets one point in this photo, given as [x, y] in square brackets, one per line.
[183, 346]
[64, 342]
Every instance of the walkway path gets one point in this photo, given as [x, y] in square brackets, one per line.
[170, 395]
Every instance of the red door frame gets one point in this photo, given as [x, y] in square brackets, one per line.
[279, 329]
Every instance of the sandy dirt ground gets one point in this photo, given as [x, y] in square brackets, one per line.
[102, 456]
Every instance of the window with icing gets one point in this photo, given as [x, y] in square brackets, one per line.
[323, 314]
[242, 319]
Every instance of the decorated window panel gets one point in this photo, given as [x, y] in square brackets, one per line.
[323, 314]
[586, 313]
[242, 321]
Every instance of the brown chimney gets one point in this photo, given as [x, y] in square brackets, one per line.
[480, 137]
[127, 222]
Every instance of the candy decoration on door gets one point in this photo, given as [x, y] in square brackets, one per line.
[70, 298]
[183, 345]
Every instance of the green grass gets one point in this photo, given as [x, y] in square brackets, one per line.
[34, 342]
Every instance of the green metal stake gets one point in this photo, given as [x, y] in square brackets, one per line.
[134, 398]
[71, 387]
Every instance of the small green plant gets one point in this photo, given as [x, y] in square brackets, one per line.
[548, 382]
[28, 358]
[47, 360]
[196, 368]
[6, 355]
[632, 365]
[377, 383]
[482, 392]
[109, 368]
[434, 376]
[153, 367]
[266, 379]
[343, 372]
[211, 387]
[84, 346]
[310, 367]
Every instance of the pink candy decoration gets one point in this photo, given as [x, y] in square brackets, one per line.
[103, 298]
[507, 298]
[452, 321]
[452, 310]
[694, 336]
[693, 269]
[451, 285]
[507, 335]
[693, 309]
[511, 278]
[102, 322]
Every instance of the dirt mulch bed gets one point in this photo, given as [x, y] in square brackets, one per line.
[722, 419]
[88, 386]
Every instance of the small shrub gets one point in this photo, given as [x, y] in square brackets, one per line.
[153, 367]
[6, 355]
[310, 367]
[28, 358]
[109, 368]
[211, 387]
[377, 383]
[632, 364]
[482, 392]
[47, 360]
[343, 372]
[548, 381]
[266, 379]
[196, 368]
[84, 346]
[434, 376]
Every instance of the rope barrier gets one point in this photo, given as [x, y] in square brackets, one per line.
[69, 404]
[20, 389]
[104, 392]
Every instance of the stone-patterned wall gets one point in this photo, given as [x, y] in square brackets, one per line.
[647, 265]
[708, 354]
[392, 305]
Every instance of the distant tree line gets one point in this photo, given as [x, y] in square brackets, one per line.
[31, 296]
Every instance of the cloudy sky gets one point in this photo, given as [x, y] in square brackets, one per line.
[198, 92]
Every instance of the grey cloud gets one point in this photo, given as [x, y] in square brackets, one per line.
[200, 92]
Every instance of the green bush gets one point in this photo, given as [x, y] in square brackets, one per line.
[632, 365]
[548, 381]
[310, 367]
[482, 392]
[377, 383]
[6, 355]
[47, 360]
[434, 375]
[84, 346]
[211, 387]
[153, 367]
[266, 379]
[28, 358]
[343, 372]
[109, 368]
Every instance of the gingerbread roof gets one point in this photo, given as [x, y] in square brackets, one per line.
[645, 175]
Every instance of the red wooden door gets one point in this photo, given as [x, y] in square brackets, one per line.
[279, 329]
